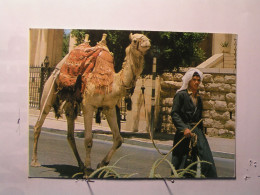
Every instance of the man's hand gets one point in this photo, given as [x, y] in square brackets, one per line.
[187, 133]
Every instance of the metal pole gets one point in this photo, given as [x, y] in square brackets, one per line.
[153, 96]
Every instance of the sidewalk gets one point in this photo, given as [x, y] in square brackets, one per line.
[221, 147]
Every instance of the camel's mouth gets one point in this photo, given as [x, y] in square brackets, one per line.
[144, 47]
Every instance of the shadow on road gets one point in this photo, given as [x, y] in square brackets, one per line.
[66, 171]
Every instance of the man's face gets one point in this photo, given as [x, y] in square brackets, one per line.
[194, 83]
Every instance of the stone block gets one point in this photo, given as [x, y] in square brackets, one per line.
[233, 88]
[222, 131]
[220, 106]
[208, 122]
[166, 110]
[177, 77]
[168, 102]
[218, 96]
[167, 119]
[170, 127]
[205, 95]
[219, 79]
[206, 114]
[167, 76]
[163, 110]
[232, 132]
[220, 116]
[231, 97]
[230, 125]
[164, 118]
[167, 93]
[225, 88]
[208, 105]
[201, 87]
[166, 85]
[212, 131]
[218, 125]
[213, 87]
[230, 79]
[207, 78]
[163, 125]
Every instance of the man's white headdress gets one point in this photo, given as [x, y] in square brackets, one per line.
[188, 76]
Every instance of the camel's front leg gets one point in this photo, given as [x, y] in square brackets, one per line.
[88, 112]
[117, 139]
[70, 115]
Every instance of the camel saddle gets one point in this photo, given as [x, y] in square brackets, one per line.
[83, 60]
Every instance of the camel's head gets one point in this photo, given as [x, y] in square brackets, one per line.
[140, 43]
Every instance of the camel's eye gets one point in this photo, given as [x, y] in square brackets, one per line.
[135, 41]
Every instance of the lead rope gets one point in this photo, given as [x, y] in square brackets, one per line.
[176, 145]
[145, 114]
[153, 106]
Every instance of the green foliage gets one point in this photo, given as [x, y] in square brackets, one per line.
[65, 45]
[180, 173]
[176, 49]
[111, 171]
[107, 172]
[173, 49]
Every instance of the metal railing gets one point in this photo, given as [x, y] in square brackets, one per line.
[37, 77]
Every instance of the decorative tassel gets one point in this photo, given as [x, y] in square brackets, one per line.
[128, 102]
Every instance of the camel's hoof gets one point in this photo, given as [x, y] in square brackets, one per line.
[35, 163]
[99, 165]
[87, 172]
[102, 164]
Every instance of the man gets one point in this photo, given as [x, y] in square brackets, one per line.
[186, 112]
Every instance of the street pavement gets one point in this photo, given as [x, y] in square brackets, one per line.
[221, 147]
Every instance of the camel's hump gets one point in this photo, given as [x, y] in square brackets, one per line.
[107, 56]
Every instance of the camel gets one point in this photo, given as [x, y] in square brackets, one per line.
[92, 99]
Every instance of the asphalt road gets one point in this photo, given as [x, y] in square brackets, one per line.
[58, 161]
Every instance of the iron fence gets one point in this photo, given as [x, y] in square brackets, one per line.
[37, 77]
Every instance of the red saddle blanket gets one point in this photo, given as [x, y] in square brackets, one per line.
[83, 60]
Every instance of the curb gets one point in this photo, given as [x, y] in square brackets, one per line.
[108, 137]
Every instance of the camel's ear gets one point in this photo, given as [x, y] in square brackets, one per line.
[131, 37]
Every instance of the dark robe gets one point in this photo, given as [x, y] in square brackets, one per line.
[185, 115]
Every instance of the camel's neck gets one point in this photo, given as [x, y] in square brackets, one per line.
[132, 68]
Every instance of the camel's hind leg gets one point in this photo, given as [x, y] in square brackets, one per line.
[37, 131]
[117, 139]
[71, 116]
[47, 100]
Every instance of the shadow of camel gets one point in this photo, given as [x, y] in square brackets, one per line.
[65, 171]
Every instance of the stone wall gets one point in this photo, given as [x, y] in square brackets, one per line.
[218, 91]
